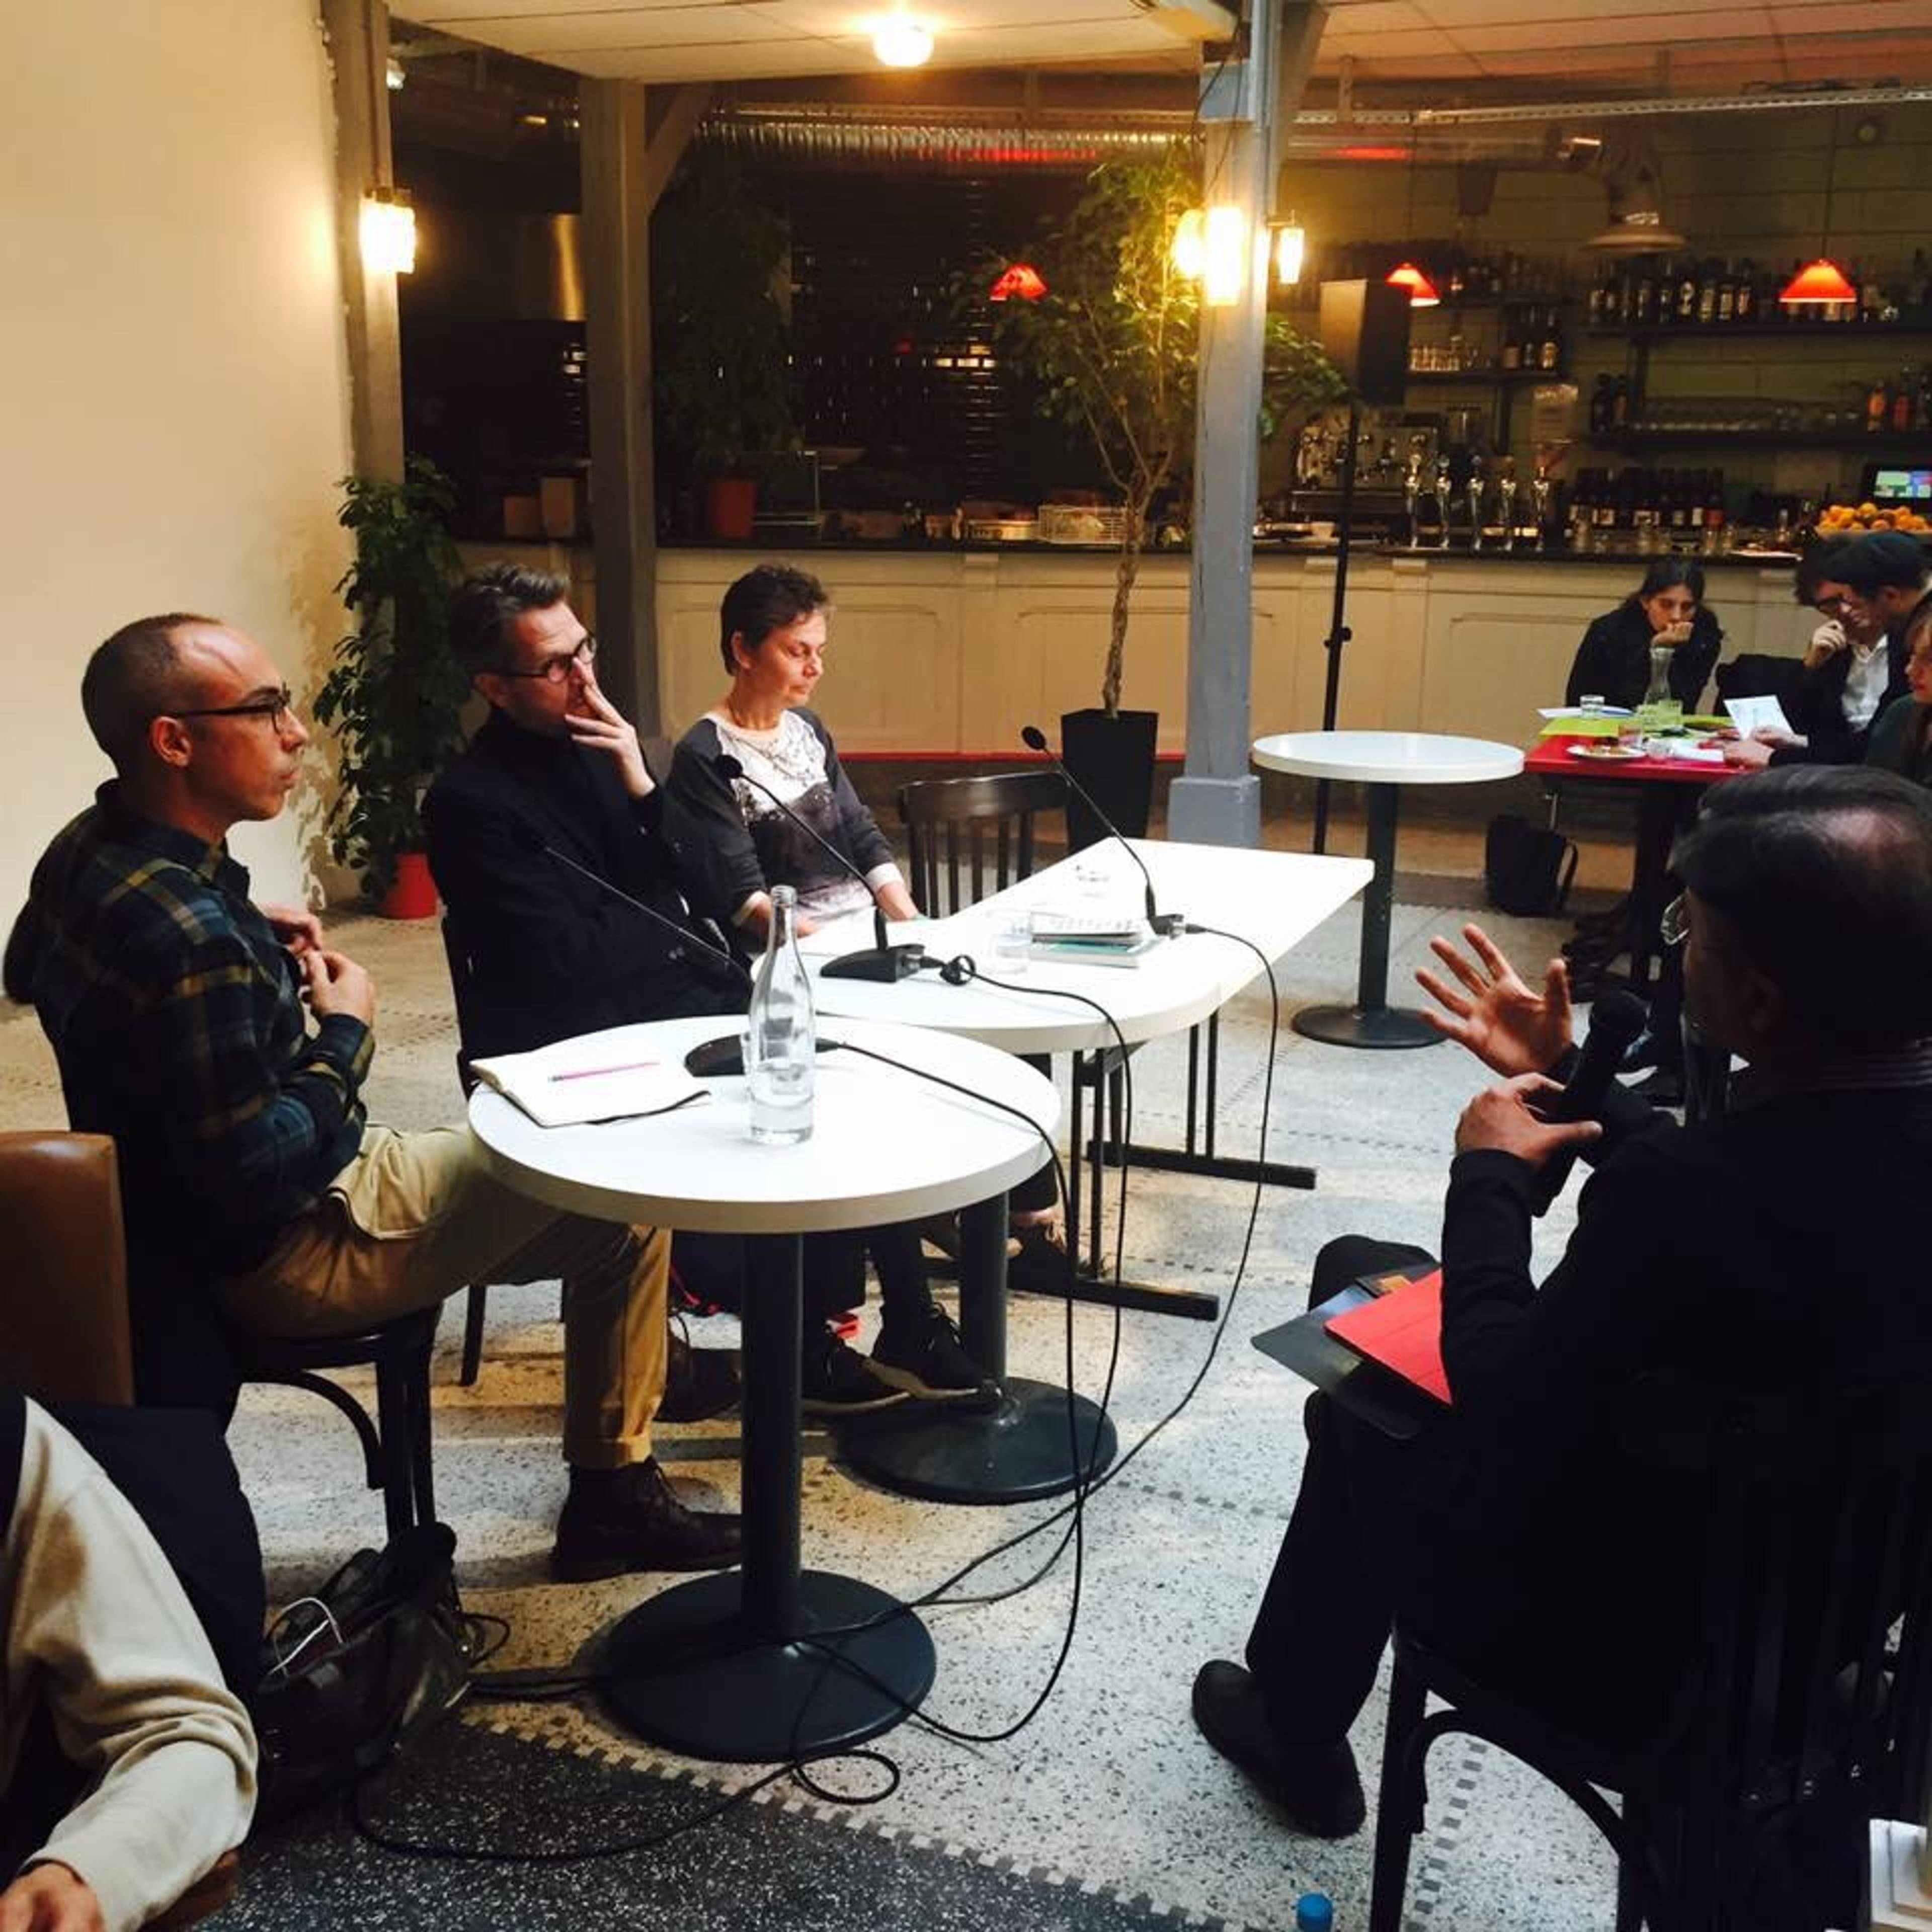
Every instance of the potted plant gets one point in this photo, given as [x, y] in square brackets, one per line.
[394, 698]
[719, 342]
[1113, 346]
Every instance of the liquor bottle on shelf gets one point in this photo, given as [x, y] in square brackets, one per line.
[1549, 350]
[1746, 310]
[1602, 405]
[1878, 407]
[1904, 401]
[1714, 512]
[1683, 308]
[1707, 294]
[1512, 350]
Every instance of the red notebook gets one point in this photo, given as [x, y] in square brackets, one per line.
[1402, 1330]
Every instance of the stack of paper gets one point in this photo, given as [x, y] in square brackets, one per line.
[571, 1084]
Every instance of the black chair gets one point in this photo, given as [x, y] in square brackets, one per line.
[477, 1296]
[1793, 1691]
[396, 1444]
[980, 830]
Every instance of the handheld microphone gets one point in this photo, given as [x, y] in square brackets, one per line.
[683, 933]
[880, 960]
[1167, 924]
[1615, 1020]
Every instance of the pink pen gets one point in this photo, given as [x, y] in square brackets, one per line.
[592, 1073]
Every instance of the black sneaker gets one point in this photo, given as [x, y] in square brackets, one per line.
[615, 1521]
[1317, 1786]
[921, 1354]
[835, 1380]
[699, 1383]
[1039, 1262]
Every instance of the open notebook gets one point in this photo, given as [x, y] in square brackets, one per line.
[573, 1083]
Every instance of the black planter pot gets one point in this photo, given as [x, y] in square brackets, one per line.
[1113, 757]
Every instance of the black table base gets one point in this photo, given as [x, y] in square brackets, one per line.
[1010, 1454]
[1365, 1026]
[687, 1670]
[1371, 1022]
[942, 1452]
[736, 1667]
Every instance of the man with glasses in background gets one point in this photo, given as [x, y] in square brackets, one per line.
[254, 1191]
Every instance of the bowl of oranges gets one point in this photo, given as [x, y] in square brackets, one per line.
[1843, 519]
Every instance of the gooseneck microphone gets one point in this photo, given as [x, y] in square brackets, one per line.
[682, 934]
[1167, 924]
[880, 960]
[1616, 1019]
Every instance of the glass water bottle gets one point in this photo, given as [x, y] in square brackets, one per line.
[779, 1034]
[1662, 709]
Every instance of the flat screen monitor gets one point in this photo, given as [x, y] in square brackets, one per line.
[1885, 483]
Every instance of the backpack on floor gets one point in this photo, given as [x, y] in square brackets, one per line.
[1527, 869]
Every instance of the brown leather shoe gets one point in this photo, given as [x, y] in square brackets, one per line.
[618, 1520]
[699, 1383]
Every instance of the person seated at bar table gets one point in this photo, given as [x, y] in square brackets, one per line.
[1901, 735]
[1509, 1530]
[1853, 667]
[1612, 662]
[735, 845]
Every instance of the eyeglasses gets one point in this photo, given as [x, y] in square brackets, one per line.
[277, 707]
[554, 670]
[1674, 928]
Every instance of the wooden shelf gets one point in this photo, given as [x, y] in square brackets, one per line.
[1738, 331]
[1488, 378]
[1888, 443]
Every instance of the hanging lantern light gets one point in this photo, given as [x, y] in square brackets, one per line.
[1291, 249]
[1228, 242]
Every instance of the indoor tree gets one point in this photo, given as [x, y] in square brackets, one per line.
[1113, 346]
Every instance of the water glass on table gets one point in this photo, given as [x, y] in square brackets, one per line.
[1012, 941]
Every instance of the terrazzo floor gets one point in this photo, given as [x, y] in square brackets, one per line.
[1107, 1809]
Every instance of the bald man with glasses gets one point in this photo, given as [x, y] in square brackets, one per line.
[224, 1047]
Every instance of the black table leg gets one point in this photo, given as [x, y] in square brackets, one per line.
[728, 1666]
[1022, 1449]
[1372, 1021]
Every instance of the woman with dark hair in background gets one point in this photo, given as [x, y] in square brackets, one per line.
[1901, 736]
[1613, 660]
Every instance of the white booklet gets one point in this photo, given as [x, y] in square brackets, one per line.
[573, 1083]
[1752, 714]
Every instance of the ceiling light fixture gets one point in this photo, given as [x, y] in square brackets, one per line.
[1822, 283]
[1405, 274]
[902, 41]
[1021, 279]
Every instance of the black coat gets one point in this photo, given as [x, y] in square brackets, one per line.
[1613, 660]
[551, 953]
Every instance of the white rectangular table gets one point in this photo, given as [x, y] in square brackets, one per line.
[1272, 899]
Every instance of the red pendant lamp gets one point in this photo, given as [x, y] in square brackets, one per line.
[1822, 283]
[1423, 293]
[1021, 279]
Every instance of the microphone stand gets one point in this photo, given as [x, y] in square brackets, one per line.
[1338, 633]
[881, 961]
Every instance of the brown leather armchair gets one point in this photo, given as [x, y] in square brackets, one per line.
[64, 1333]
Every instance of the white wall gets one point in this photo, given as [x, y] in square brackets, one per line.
[172, 383]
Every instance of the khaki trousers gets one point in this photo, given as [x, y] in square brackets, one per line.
[415, 1217]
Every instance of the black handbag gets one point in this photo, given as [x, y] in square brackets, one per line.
[1527, 869]
[354, 1674]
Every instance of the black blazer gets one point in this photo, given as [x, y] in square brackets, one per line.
[1817, 710]
[550, 953]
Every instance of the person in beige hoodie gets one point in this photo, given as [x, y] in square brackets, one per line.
[97, 1628]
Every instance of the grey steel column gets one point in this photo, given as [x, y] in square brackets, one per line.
[1217, 802]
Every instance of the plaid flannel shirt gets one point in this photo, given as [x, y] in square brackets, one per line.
[176, 1017]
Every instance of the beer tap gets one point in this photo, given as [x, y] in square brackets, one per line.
[1506, 488]
[1541, 489]
[1442, 497]
[1473, 496]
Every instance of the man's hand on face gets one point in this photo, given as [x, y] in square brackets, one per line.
[1500, 1117]
[49, 1898]
[295, 926]
[604, 728]
[1509, 1028]
[337, 985]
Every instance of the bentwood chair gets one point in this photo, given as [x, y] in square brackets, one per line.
[976, 835]
[477, 1296]
[1803, 1686]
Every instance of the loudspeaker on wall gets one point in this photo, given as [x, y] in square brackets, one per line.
[1365, 332]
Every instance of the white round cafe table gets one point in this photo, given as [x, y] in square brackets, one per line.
[727, 1666]
[1383, 761]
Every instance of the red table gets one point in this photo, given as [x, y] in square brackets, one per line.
[1668, 790]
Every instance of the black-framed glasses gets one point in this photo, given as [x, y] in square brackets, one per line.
[554, 670]
[1674, 927]
[276, 706]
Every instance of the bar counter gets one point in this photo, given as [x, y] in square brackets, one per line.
[945, 650]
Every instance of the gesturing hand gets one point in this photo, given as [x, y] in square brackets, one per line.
[337, 985]
[1509, 1029]
[295, 926]
[1500, 1117]
[604, 728]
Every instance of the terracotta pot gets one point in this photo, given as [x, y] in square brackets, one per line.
[730, 503]
[413, 894]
